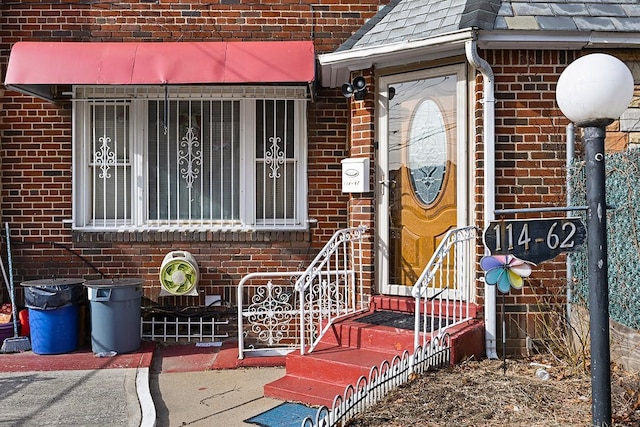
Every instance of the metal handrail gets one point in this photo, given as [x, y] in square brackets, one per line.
[449, 289]
[329, 289]
[337, 268]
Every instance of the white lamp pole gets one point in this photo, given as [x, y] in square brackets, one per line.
[592, 92]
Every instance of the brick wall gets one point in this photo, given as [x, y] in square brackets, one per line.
[361, 144]
[530, 173]
[36, 141]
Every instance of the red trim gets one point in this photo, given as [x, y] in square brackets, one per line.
[110, 63]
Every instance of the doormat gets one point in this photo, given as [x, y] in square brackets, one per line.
[284, 415]
[395, 319]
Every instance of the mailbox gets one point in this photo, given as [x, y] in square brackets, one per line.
[355, 175]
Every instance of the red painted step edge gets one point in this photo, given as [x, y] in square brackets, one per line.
[303, 390]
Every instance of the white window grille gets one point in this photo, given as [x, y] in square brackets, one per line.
[189, 157]
[276, 162]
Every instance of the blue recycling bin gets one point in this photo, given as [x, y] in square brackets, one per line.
[115, 314]
[53, 314]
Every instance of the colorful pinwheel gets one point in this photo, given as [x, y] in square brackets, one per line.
[505, 271]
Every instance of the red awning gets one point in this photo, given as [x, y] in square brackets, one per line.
[36, 67]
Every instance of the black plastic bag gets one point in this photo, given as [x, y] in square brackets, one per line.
[52, 297]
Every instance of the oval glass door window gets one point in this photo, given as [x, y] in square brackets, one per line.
[427, 151]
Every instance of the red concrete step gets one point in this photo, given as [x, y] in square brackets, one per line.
[338, 365]
[351, 349]
[404, 304]
[467, 340]
[303, 390]
[352, 333]
[316, 378]
[407, 305]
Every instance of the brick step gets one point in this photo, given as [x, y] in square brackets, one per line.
[382, 302]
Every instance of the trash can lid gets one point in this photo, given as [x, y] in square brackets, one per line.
[112, 283]
[56, 281]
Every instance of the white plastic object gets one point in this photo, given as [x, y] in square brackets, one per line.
[179, 274]
[594, 88]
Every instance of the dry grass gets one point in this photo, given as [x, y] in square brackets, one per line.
[481, 393]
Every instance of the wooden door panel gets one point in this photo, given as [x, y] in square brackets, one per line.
[421, 158]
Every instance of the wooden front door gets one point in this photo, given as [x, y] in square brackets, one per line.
[420, 191]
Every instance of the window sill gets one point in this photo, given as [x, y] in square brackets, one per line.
[143, 236]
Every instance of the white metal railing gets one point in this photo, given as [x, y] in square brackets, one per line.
[177, 329]
[281, 311]
[331, 286]
[444, 289]
[268, 311]
[368, 391]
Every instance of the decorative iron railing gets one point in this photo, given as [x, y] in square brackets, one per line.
[271, 317]
[444, 289]
[267, 322]
[331, 286]
[368, 391]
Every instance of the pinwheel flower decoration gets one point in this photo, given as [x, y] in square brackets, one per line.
[505, 271]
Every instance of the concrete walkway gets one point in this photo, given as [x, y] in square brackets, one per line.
[100, 397]
[221, 398]
[157, 386]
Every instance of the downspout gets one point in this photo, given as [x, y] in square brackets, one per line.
[488, 137]
[571, 148]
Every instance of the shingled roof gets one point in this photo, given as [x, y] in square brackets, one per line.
[403, 20]
[570, 15]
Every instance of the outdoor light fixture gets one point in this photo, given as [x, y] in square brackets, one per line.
[392, 92]
[357, 89]
[592, 92]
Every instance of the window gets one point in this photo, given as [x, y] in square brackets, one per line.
[189, 157]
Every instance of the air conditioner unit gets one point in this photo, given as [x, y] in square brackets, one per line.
[179, 274]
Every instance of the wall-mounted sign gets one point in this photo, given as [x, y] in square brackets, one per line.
[534, 240]
[355, 175]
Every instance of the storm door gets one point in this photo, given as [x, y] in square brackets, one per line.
[421, 190]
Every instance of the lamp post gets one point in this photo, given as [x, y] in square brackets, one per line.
[592, 92]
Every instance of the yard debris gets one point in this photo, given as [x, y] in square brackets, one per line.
[478, 393]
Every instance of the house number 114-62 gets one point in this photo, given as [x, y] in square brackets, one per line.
[534, 240]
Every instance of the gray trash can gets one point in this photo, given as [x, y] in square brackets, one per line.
[115, 314]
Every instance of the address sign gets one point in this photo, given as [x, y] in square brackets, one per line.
[534, 240]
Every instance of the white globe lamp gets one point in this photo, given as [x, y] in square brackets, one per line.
[594, 89]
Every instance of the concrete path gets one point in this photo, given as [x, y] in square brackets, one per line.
[101, 397]
[220, 397]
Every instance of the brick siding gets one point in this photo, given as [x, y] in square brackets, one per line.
[36, 142]
[530, 173]
[36, 150]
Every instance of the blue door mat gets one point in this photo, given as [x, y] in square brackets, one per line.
[284, 415]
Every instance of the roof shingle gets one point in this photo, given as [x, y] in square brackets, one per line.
[411, 20]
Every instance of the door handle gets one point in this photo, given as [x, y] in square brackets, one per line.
[383, 182]
[386, 182]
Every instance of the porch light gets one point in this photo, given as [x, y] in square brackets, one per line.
[592, 92]
[357, 89]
